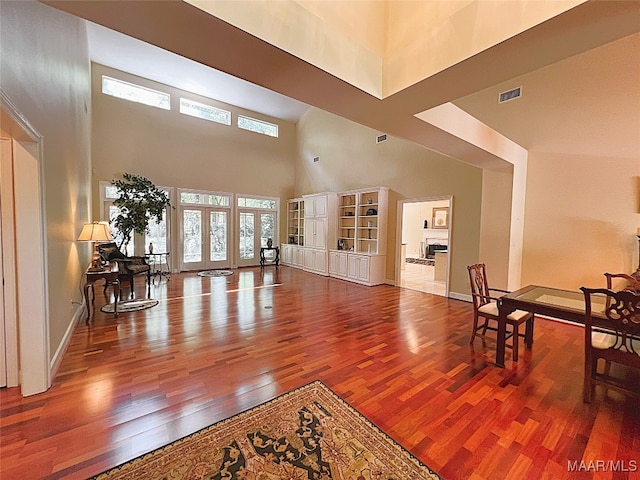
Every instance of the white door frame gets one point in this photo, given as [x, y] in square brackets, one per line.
[205, 238]
[398, 252]
[257, 233]
[31, 326]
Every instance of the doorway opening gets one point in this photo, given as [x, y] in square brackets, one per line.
[425, 252]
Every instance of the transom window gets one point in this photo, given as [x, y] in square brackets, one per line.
[258, 126]
[135, 93]
[194, 198]
[252, 202]
[205, 112]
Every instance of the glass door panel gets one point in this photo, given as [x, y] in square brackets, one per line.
[219, 238]
[247, 246]
[192, 239]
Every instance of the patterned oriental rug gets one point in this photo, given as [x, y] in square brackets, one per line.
[309, 433]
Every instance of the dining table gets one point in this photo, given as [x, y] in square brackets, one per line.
[567, 305]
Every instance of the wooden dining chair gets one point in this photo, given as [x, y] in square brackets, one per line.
[486, 303]
[631, 284]
[615, 337]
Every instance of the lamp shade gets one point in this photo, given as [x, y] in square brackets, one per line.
[95, 232]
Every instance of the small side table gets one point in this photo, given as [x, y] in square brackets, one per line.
[110, 276]
[276, 259]
[159, 268]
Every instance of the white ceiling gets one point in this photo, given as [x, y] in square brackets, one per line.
[119, 51]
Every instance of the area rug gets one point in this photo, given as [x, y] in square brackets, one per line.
[421, 261]
[215, 273]
[130, 305]
[308, 433]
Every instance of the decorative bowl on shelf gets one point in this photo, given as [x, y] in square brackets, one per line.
[372, 211]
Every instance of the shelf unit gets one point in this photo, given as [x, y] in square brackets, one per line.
[367, 231]
[347, 221]
[360, 253]
[295, 221]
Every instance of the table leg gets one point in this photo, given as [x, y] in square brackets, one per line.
[277, 259]
[87, 302]
[501, 340]
[262, 258]
[528, 333]
[116, 295]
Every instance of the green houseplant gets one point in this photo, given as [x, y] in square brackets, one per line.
[138, 202]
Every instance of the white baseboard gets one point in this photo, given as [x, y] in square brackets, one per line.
[461, 296]
[57, 357]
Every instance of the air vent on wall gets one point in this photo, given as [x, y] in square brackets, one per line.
[381, 138]
[510, 95]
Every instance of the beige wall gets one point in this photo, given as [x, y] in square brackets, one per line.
[176, 150]
[350, 159]
[581, 219]
[495, 222]
[45, 72]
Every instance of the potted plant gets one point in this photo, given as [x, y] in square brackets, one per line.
[139, 201]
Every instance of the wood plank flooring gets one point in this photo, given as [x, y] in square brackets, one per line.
[216, 346]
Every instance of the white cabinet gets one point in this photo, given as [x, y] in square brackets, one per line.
[286, 254]
[319, 231]
[316, 261]
[315, 233]
[292, 255]
[338, 264]
[360, 268]
[317, 205]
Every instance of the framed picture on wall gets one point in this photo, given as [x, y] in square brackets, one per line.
[440, 217]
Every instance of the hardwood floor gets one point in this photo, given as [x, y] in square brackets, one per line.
[216, 346]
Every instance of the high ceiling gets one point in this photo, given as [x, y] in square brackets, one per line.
[561, 64]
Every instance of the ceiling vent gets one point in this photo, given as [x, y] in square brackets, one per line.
[381, 138]
[510, 95]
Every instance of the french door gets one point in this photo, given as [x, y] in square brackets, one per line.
[255, 228]
[205, 238]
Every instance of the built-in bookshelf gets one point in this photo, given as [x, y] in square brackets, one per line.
[347, 227]
[360, 253]
[367, 231]
[295, 222]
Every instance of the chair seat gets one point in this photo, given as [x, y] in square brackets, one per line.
[602, 341]
[491, 308]
[137, 268]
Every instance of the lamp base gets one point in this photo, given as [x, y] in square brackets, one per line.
[96, 265]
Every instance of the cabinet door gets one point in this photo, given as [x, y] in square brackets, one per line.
[298, 257]
[352, 266]
[333, 263]
[320, 233]
[320, 261]
[308, 259]
[363, 269]
[320, 206]
[342, 264]
[338, 264]
[286, 254]
[309, 240]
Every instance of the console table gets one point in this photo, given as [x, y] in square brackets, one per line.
[276, 259]
[110, 275]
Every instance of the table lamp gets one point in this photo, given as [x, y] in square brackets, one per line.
[95, 232]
